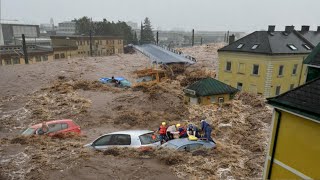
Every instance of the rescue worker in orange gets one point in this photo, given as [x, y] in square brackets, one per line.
[163, 132]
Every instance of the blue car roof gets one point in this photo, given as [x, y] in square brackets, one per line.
[116, 78]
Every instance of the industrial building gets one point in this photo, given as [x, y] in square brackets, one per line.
[10, 31]
[66, 28]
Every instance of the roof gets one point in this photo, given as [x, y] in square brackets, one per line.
[312, 36]
[62, 48]
[314, 57]
[210, 86]
[303, 100]
[184, 141]
[77, 37]
[271, 43]
[160, 55]
[51, 122]
[132, 132]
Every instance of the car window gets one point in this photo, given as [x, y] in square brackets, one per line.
[64, 126]
[28, 131]
[102, 141]
[195, 146]
[54, 127]
[120, 139]
[147, 139]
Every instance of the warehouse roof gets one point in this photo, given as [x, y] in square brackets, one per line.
[314, 57]
[208, 87]
[272, 42]
[303, 100]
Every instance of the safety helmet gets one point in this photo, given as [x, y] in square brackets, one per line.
[178, 125]
[163, 123]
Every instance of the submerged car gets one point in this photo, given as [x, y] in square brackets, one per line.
[129, 138]
[121, 82]
[184, 144]
[55, 127]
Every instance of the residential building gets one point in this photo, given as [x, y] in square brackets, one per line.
[266, 62]
[71, 46]
[66, 28]
[313, 64]
[293, 150]
[11, 55]
[9, 32]
[208, 91]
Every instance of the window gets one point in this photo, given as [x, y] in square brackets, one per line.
[240, 46]
[54, 127]
[255, 70]
[64, 126]
[45, 58]
[280, 70]
[228, 66]
[239, 86]
[7, 61]
[62, 55]
[294, 70]
[221, 100]
[56, 56]
[120, 139]
[306, 46]
[103, 141]
[16, 60]
[291, 86]
[195, 146]
[147, 139]
[255, 46]
[241, 68]
[212, 99]
[292, 47]
[38, 58]
[278, 88]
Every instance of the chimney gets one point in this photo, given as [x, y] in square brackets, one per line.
[305, 28]
[289, 29]
[271, 28]
[232, 38]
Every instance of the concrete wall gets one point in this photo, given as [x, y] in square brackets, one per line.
[14, 60]
[267, 80]
[297, 150]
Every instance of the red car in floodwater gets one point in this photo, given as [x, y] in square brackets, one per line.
[55, 127]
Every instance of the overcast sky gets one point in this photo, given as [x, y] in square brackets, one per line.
[237, 15]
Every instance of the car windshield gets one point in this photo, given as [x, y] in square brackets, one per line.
[28, 131]
[148, 139]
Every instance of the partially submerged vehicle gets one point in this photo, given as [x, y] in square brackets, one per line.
[117, 82]
[55, 127]
[184, 144]
[129, 138]
[151, 75]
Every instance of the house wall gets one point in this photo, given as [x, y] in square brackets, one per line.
[206, 100]
[297, 150]
[66, 54]
[267, 80]
[14, 60]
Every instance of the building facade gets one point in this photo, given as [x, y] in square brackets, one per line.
[266, 62]
[13, 55]
[66, 28]
[293, 150]
[71, 46]
[313, 64]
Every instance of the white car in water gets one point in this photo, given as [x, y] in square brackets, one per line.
[129, 138]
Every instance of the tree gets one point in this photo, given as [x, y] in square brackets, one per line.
[135, 38]
[146, 32]
[105, 28]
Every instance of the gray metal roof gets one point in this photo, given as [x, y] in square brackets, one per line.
[162, 56]
[276, 42]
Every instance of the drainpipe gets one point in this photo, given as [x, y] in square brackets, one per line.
[274, 144]
[301, 71]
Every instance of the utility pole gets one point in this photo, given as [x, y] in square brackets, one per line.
[192, 40]
[90, 34]
[24, 47]
[201, 41]
[157, 37]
